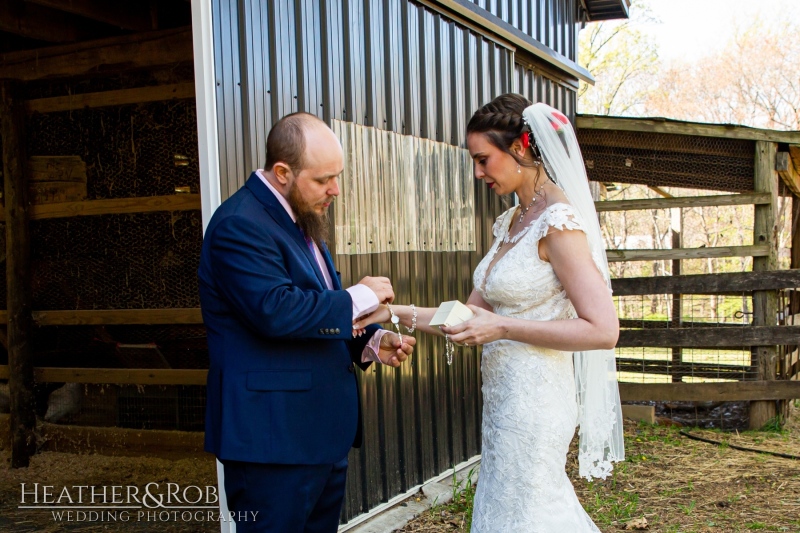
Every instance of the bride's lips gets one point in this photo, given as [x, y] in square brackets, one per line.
[491, 185]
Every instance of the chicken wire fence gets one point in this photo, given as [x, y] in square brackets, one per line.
[118, 261]
[668, 160]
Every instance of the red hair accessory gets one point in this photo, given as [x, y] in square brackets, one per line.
[525, 140]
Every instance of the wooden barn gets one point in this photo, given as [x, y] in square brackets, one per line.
[125, 124]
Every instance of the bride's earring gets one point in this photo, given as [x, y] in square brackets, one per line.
[519, 170]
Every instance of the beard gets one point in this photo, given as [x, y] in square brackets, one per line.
[314, 226]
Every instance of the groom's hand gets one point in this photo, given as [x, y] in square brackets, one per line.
[382, 287]
[393, 351]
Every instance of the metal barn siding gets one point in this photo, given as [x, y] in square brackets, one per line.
[408, 68]
[551, 22]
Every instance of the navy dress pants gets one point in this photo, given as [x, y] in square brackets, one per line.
[279, 498]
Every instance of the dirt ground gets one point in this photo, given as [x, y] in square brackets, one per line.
[672, 484]
[677, 485]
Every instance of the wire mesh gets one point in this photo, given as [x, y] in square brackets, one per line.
[662, 159]
[687, 365]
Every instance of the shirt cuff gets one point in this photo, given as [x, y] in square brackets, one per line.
[370, 353]
[365, 301]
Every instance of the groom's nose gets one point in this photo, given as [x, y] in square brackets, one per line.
[333, 190]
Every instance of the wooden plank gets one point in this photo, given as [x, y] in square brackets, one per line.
[114, 206]
[700, 370]
[686, 201]
[114, 317]
[140, 50]
[667, 324]
[705, 337]
[730, 283]
[69, 168]
[120, 376]
[615, 256]
[678, 127]
[765, 303]
[18, 280]
[35, 22]
[787, 171]
[118, 316]
[128, 15]
[641, 413]
[704, 392]
[138, 95]
[56, 179]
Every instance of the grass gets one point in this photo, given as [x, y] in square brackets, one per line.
[678, 485]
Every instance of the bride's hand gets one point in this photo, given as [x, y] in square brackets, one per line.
[380, 316]
[484, 327]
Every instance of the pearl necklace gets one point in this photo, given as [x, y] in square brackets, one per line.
[526, 209]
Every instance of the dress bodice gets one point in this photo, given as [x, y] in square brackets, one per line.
[521, 284]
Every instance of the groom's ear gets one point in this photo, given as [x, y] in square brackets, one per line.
[282, 173]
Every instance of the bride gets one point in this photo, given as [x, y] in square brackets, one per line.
[546, 320]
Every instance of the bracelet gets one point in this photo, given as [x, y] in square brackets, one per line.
[395, 321]
[413, 319]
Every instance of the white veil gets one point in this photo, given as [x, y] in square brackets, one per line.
[599, 410]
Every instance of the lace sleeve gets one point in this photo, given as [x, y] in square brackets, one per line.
[501, 224]
[564, 217]
[560, 217]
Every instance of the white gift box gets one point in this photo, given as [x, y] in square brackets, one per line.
[451, 313]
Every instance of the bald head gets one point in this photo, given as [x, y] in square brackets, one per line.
[291, 137]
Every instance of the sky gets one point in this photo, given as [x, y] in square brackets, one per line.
[690, 29]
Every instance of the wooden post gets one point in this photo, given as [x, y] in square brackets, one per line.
[676, 216]
[795, 244]
[23, 414]
[765, 303]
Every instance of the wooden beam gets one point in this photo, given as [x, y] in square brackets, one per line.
[111, 98]
[733, 282]
[18, 281]
[54, 179]
[704, 392]
[686, 253]
[684, 201]
[114, 317]
[34, 22]
[787, 172]
[114, 206]
[119, 376]
[668, 324]
[707, 337]
[669, 368]
[678, 127]
[765, 303]
[140, 50]
[133, 16]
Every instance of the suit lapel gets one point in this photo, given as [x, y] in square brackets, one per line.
[279, 214]
[337, 284]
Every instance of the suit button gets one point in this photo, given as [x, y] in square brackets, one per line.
[351, 368]
[321, 331]
[327, 331]
[336, 331]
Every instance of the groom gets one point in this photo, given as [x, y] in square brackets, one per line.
[282, 399]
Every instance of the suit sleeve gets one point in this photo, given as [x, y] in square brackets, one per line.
[253, 278]
[358, 344]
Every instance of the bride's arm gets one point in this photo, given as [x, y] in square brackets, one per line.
[596, 327]
[406, 314]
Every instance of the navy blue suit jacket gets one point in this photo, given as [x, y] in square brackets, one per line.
[281, 383]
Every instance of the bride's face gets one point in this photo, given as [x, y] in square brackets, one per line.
[496, 168]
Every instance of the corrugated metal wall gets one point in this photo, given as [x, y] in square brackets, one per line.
[551, 22]
[399, 66]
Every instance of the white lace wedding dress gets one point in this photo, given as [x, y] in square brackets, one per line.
[529, 403]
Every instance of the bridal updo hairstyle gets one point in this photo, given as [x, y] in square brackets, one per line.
[501, 122]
